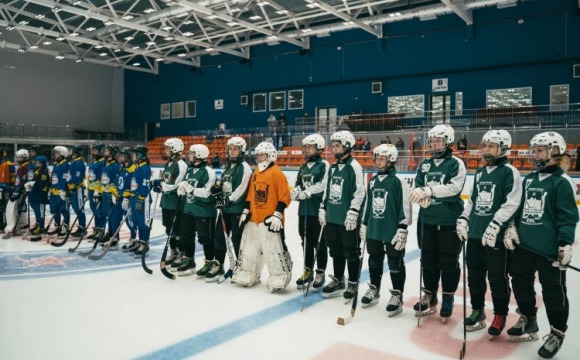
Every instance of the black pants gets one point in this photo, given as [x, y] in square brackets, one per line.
[191, 226]
[168, 217]
[313, 228]
[440, 248]
[232, 222]
[493, 263]
[343, 246]
[395, 259]
[553, 280]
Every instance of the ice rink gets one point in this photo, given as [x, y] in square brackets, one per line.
[55, 304]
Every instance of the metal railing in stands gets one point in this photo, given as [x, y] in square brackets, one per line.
[41, 131]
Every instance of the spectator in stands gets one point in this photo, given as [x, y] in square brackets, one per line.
[400, 144]
[577, 167]
[215, 161]
[272, 123]
[386, 140]
[367, 144]
[343, 125]
[417, 147]
[283, 130]
[359, 144]
[462, 143]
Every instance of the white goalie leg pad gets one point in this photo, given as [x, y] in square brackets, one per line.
[10, 216]
[251, 260]
[278, 261]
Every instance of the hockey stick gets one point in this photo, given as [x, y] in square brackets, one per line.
[108, 243]
[347, 320]
[73, 249]
[87, 253]
[26, 236]
[59, 244]
[304, 251]
[53, 217]
[549, 258]
[19, 206]
[315, 253]
[231, 255]
[162, 264]
[144, 254]
[421, 263]
[463, 349]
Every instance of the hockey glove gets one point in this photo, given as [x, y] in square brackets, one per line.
[490, 234]
[15, 195]
[421, 193]
[274, 222]
[215, 190]
[244, 218]
[350, 221]
[114, 199]
[295, 192]
[29, 185]
[63, 195]
[564, 257]
[157, 185]
[400, 239]
[181, 188]
[139, 205]
[97, 197]
[511, 238]
[363, 232]
[125, 204]
[322, 217]
[425, 203]
[462, 228]
[304, 195]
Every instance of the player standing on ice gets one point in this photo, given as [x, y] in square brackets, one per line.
[58, 206]
[199, 212]
[438, 184]
[140, 202]
[339, 212]
[387, 214]
[106, 195]
[75, 189]
[37, 189]
[263, 224]
[15, 202]
[230, 194]
[494, 199]
[94, 185]
[7, 178]
[545, 225]
[172, 175]
[309, 188]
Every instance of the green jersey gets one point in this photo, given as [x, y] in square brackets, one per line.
[345, 189]
[234, 183]
[312, 177]
[446, 177]
[200, 202]
[171, 176]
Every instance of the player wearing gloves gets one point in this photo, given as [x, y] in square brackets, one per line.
[75, 188]
[387, 214]
[199, 212]
[494, 199]
[230, 196]
[172, 175]
[7, 178]
[58, 188]
[438, 184]
[37, 189]
[94, 186]
[339, 211]
[121, 195]
[15, 210]
[107, 195]
[545, 223]
[309, 189]
[141, 201]
[263, 224]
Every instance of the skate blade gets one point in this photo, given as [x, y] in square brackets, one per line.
[524, 337]
[186, 272]
[394, 313]
[425, 313]
[331, 295]
[444, 319]
[471, 328]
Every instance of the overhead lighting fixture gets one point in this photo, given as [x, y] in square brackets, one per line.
[9, 27]
[282, 12]
[150, 43]
[182, 55]
[39, 16]
[47, 43]
[127, 17]
[59, 57]
[91, 29]
[348, 23]
[209, 49]
[117, 50]
[23, 22]
[60, 38]
[306, 30]
[181, 15]
[167, 28]
[211, 17]
[76, 3]
[232, 23]
[136, 47]
[136, 64]
[78, 60]
[313, 5]
[262, 3]
[56, 9]
[169, 38]
[98, 46]
[34, 47]
[159, 59]
[235, 9]
[187, 34]
[109, 23]
[255, 17]
[272, 38]
[187, 22]
[22, 49]
[149, 11]
[75, 34]
[103, 54]
[129, 38]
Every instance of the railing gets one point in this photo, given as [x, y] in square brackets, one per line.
[40, 131]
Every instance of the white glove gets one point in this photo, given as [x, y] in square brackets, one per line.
[462, 228]
[182, 188]
[304, 195]
[420, 193]
[244, 218]
[295, 192]
[363, 232]
[29, 185]
[350, 221]
[564, 257]
[114, 199]
[125, 204]
[510, 237]
[274, 222]
[425, 203]
[490, 234]
[400, 239]
[322, 217]
[62, 195]
[164, 187]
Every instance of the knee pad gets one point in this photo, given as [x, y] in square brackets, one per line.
[375, 262]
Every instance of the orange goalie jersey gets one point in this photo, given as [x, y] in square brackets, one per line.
[266, 189]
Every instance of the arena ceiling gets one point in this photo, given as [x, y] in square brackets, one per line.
[139, 34]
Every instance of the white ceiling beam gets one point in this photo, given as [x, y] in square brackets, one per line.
[347, 18]
[458, 7]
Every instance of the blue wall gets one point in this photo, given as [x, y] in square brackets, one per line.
[496, 52]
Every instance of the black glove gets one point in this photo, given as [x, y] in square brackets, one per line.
[97, 197]
[139, 205]
[15, 195]
[215, 190]
[157, 185]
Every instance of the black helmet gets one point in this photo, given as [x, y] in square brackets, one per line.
[98, 146]
[140, 151]
[36, 148]
[77, 149]
[125, 151]
[113, 150]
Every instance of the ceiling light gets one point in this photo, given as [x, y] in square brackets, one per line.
[187, 33]
[166, 28]
[182, 55]
[76, 3]
[348, 23]
[22, 49]
[47, 43]
[159, 59]
[187, 22]
[235, 9]
[23, 22]
[150, 43]
[169, 38]
[9, 27]
[211, 17]
[255, 17]
[262, 3]
[56, 9]
[98, 46]
[103, 54]
[209, 49]
[117, 50]
[34, 47]
[129, 38]
[79, 60]
[306, 30]
[109, 23]
[39, 16]
[272, 38]
[313, 5]
[59, 57]
[136, 64]
[91, 29]
[282, 12]
[181, 15]
[135, 47]
[149, 11]
[127, 17]
[75, 34]
[60, 38]
[232, 23]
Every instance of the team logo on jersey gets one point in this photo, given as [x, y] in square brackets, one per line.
[92, 176]
[434, 179]
[484, 201]
[134, 184]
[190, 197]
[227, 186]
[534, 206]
[260, 194]
[425, 168]
[335, 195]
[167, 178]
[121, 183]
[66, 176]
[54, 179]
[105, 179]
[30, 175]
[379, 203]
[307, 180]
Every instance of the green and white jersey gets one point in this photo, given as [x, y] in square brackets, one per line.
[345, 189]
[200, 202]
[234, 183]
[496, 195]
[387, 206]
[446, 177]
[312, 176]
[548, 214]
[172, 175]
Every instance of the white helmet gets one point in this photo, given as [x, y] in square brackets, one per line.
[314, 139]
[266, 148]
[502, 138]
[239, 142]
[550, 139]
[200, 152]
[22, 154]
[174, 144]
[347, 140]
[444, 132]
[63, 151]
[388, 150]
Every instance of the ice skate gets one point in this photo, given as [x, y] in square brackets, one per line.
[319, 280]
[475, 321]
[497, 326]
[553, 343]
[427, 305]
[526, 329]
[335, 288]
[395, 305]
[303, 280]
[371, 297]
[447, 306]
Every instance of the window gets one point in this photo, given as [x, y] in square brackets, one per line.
[259, 102]
[278, 100]
[165, 111]
[559, 97]
[177, 110]
[458, 103]
[513, 97]
[190, 109]
[295, 99]
[411, 105]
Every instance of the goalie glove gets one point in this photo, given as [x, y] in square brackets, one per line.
[295, 192]
[564, 257]
[462, 228]
[400, 239]
[215, 190]
[274, 222]
[421, 193]
[322, 217]
[350, 221]
[511, 238]
[490, 234]
[244, 218]
[304, 195]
